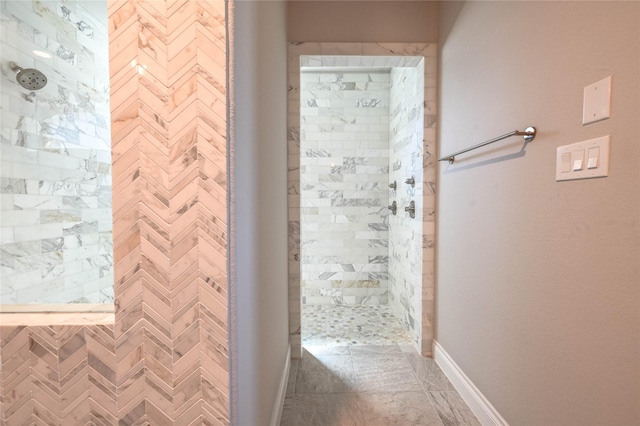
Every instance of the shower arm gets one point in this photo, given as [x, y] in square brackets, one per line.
[15, 67]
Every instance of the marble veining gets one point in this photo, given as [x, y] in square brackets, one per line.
[55, 179]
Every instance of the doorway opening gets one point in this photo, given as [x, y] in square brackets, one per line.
[363, 139]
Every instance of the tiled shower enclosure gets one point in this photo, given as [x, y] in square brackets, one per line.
[361, 116]
[55, 177]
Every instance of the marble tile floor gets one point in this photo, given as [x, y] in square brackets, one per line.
[371, 385]
[336, 325]
[356, 372]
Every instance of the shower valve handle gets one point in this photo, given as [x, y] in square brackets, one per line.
[411, 209]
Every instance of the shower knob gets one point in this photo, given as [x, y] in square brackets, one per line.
[393, 207]
[411, 181]
[411, 209]
[393, 185]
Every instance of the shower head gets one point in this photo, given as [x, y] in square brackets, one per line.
[29, 78]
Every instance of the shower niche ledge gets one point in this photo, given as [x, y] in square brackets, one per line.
[56, 314]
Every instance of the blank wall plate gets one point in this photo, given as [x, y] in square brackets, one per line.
[583, 160]
[597, 101]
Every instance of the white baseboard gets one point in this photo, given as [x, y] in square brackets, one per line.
[481, 407]
[276, 413]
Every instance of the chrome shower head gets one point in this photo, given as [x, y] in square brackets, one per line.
[29, 78]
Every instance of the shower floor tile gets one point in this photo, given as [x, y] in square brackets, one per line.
[339, 325]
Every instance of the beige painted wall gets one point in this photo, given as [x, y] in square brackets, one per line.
[258, 169]
[538, 280]
[360, 21]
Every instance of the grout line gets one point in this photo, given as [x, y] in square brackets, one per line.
[425, 391]
[430, 399]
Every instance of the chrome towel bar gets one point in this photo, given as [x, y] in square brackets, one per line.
[529, 134]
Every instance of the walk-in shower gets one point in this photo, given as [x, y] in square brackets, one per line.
[55, 152]
[360, 131]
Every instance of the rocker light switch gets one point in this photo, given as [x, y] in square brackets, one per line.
[592, 161]
[578, 157]
[571, 163]
[565, 162]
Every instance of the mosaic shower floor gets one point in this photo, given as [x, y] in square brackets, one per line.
[338, 325]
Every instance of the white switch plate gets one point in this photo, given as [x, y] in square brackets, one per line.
[597, 101]
[580, 150]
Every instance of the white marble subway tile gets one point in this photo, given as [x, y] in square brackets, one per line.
[37, 202]
[105, 293]
[11, 251]
[364, 128]
[52, 287]
[368, 119]
[377, 109]
[20, 280]
[15, 154]
[38, 262]
[61, 270]
[50, 159]
[20, 218]
[95, 215]
[27, 171]
[7, 235]
[36, 232]
[371, 193]
[78, 280]
[81, 253]
[94, 142]
[355, 77]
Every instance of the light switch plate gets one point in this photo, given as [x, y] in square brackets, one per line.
[581, 150]
[597, 101]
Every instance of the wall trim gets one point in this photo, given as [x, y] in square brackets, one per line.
[479, 404]
[276, 413]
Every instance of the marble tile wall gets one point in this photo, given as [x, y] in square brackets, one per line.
[58, 375]
[405, 233]
[344, 168]
[169, 113]
[165, 359]
[364, 55]
[429, 167]
[55, 153]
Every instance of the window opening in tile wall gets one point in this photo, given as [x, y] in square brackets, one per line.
[361, 129]
[55, 181]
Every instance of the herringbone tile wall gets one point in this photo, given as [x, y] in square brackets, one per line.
[165, 360]
[58, 375]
